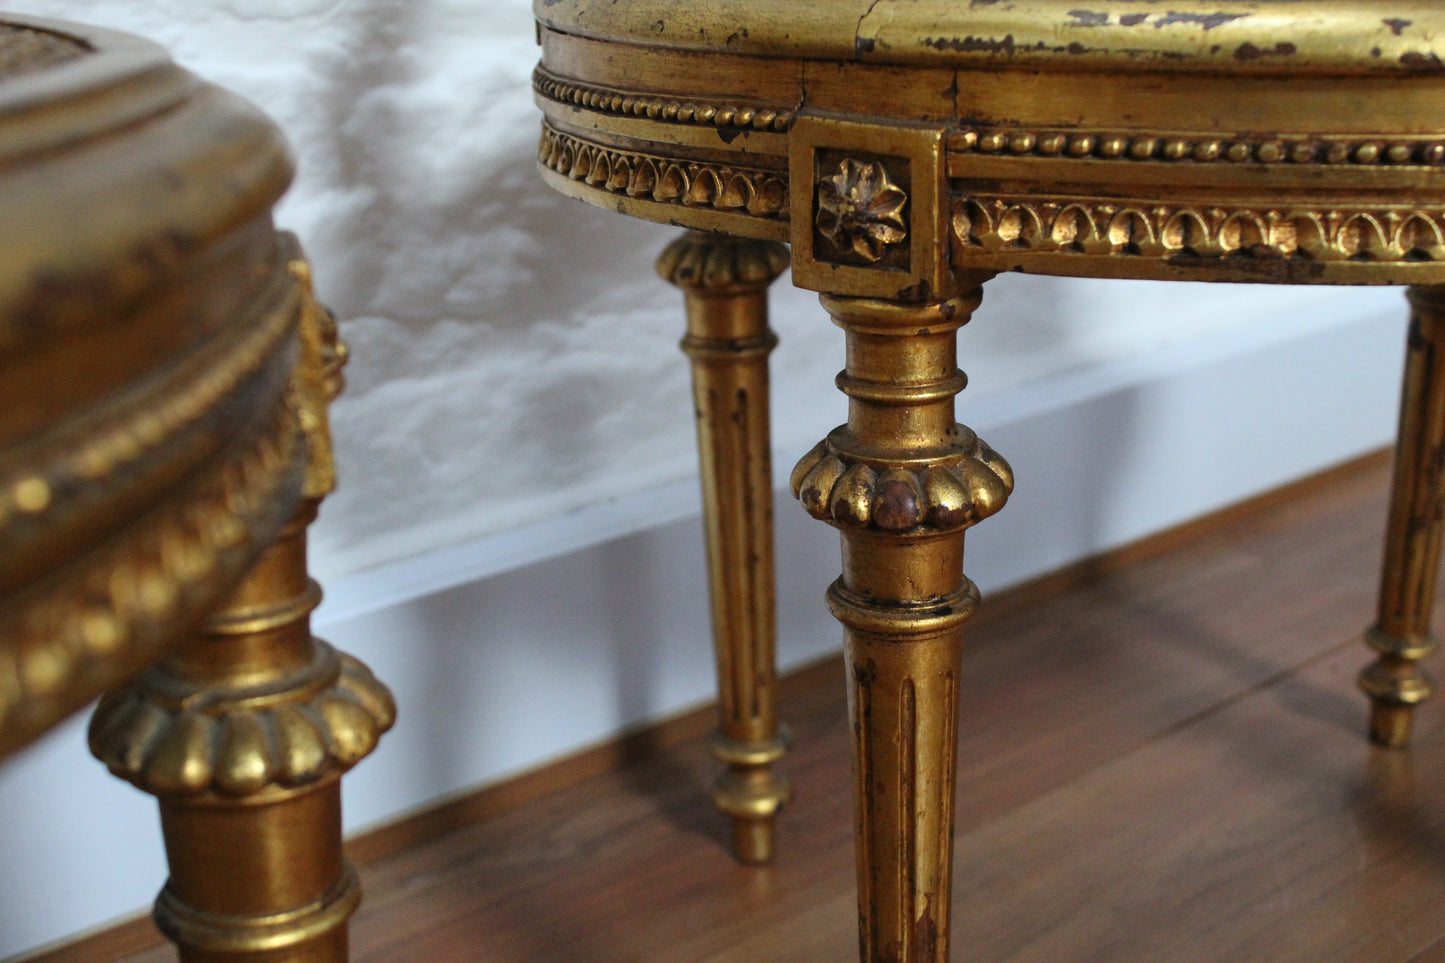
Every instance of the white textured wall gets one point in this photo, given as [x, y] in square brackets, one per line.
[515, 356]
[517, 403]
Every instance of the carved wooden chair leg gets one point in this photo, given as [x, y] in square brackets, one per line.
[724, 281]
[902, 481]
[244, 737]
[1396, 682]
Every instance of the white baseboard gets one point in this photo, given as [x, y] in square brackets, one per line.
[523, 646]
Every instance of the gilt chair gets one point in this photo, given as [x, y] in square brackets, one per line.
[909, 151]
[164, 380]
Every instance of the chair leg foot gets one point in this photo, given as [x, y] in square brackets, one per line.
[1390, 726]
[751, 791]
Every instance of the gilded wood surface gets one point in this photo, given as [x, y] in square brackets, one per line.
[1249, 36]
[1189, 157]
[902, 481]
[1401, 635]
[164, 376]
[930, 143]
[148, 449]
[724, 282]
[1198, 748]
[243, 735]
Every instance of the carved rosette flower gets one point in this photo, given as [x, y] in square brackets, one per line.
[942, 496]
[860, 209]
[235, 750]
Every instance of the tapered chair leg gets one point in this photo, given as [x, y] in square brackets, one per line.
[902, 481]
[244, 737]
[1396, 682]
[724, 281]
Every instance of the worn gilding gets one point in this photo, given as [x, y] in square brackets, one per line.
[1268, 36]
[724, 283]
[911, 148]
[164, 377]
[148, 451]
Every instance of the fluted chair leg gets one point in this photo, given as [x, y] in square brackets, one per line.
[902, 481]
[1396, 682]
[724, 281]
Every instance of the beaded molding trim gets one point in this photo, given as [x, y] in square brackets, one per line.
[82, 464]
[1198, 148]
[653, 107]
[119, 604]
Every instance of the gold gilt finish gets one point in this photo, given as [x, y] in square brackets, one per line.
[1401, 634]
[1107, 141]
[164, 376]
[147, 449]
[725, 283]
[244, 736]
[906, 149]
[902, 481]
[1249, 37]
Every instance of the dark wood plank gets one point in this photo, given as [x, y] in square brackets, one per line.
[120, 941]
[1162, 759]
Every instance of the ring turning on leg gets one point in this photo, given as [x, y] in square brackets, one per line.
[1396, 682]
[902, 481]
[724, 281]
[244, 737]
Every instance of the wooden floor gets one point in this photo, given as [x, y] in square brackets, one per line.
[1162, 760]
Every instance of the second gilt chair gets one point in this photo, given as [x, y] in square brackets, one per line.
[164, 379]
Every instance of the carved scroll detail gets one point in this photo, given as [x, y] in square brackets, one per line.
[318, 381]
[721, 187]
[1092, 226]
